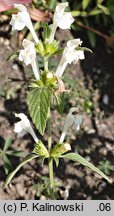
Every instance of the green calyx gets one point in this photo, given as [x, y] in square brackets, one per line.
[47, 79]
[48, 50]
[41, 150]
[59, 149]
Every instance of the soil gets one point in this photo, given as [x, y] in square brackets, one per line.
[95, 142]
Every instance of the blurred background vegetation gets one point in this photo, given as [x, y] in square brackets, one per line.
[95, 16]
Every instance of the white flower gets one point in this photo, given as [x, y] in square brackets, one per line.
[61, 19]
[71, 119]
[24, 126]
[70, 54]
[22, 19]
[28, 56]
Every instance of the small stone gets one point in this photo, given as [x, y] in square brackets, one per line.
[101, 187]
[105, 99]
[98, 71]
[15, 66]
[91, 131]
[6, 42]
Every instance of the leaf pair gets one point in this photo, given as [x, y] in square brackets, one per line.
[72, 156]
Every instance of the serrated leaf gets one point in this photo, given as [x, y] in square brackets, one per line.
[83, 161]
[85, 4]
[11, 175]
[12, 56]
[38, 103]
[8, 141]
[58, 102]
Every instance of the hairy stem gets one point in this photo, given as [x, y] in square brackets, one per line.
[50, 159]
[45, 64]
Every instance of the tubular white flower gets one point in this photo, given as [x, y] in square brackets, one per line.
[61, 19]
[70, 54]
[28, 56]
[71, 120]
[24, 126]
[22, 19]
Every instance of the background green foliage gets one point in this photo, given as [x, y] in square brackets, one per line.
[91, 15]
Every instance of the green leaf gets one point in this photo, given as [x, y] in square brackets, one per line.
[92, 38]
[7, 164]
[58, 102]
[83, 161]
[46, 30]
[15, 153]
[51, 49]
[11, 11]
[48, 50]
[8, 141]
[11, 175]
[12, 56]
[104, 9]
[85, 4]
[56, 159]
[38, 103]
[52, 4]
[95, 12]
[99, 1]
[106, 167]
[40, 48]
[83, 14]
[75, 13]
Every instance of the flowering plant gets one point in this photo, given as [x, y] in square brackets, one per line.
[45, 86]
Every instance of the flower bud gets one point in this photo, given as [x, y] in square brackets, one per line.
[49, 75]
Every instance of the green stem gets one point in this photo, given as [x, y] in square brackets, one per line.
[49, 130]
[51, 174]
[46, 64]
[50, 159]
